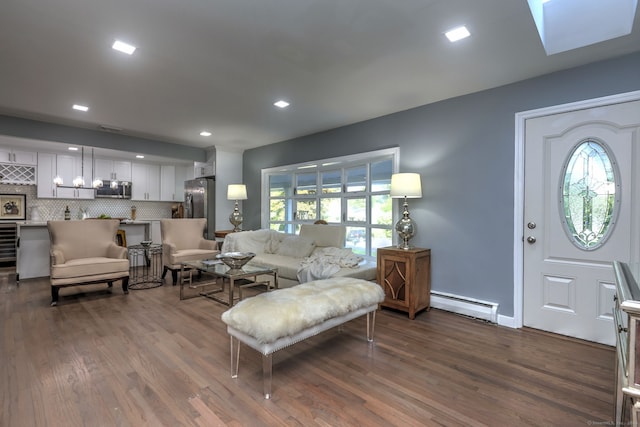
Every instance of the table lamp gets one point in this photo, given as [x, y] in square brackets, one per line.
[236, 192]
[407, 186]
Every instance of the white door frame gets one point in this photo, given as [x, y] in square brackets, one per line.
[518, 189]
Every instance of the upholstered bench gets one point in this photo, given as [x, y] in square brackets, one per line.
[274, 320]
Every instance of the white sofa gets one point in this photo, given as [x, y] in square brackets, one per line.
[317, 251]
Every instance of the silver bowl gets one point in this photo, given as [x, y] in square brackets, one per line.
[235, 260]
[146, 243]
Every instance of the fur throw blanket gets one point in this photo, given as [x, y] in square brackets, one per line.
[325, 262]
[285, 312]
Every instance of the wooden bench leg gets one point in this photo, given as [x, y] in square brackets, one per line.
[267, 363]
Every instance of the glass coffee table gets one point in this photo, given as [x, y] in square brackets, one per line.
[247, 276]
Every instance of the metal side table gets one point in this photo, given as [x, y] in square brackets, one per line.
[145, 266]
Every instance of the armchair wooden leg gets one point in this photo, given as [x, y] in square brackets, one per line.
[174, 276]
[54, 295]
[125, 285]
[164, 271]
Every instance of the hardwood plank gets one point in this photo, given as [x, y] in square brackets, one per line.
[102, 358]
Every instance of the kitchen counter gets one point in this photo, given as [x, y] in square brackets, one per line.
[32, 257]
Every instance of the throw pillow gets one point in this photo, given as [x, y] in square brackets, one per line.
[296, 246]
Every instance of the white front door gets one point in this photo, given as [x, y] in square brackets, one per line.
[580, 214]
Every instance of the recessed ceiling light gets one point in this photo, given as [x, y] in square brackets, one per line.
[80, 107]
[73, 148]
[281, 104]
[205, 133]
[123, 47]
[458, 33]
[139, 156]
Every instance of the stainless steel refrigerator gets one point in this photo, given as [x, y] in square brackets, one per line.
[200, 202]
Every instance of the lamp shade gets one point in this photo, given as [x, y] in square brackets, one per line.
[406, 185]
[237, 192]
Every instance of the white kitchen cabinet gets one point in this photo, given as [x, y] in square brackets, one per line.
[183, 173]
[145, 181]
[67, 167]
[10, 155]
[168, 184]
[113, 170]
[46, 189]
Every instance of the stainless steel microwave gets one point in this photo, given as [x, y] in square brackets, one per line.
[114, 190]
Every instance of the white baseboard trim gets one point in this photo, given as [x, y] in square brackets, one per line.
[472, 307]
[509, 322]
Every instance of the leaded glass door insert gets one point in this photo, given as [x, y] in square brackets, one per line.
[589, 198]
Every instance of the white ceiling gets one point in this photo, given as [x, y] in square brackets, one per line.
[220, 64]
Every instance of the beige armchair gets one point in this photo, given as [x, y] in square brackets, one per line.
[182, 240]
[85, 252]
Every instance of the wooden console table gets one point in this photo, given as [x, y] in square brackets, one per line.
[405, 276]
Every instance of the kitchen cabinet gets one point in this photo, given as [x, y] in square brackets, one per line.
[46, 189]
[9, 155]
[168, 184]
[145, 181]
[112, 170]
[67, 167]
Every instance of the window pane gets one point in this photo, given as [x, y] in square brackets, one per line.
[331, 209]
[588, 195]
[331, 182]
[357, 209]
[276, 210]
[381, 210]
[278, 227]
[306, 183]
[356, 239]
[305, 209]
[381, 175]
[280, 186]
[380, 239]
[357, 179]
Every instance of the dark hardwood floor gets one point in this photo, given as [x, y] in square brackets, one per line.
[149, 359]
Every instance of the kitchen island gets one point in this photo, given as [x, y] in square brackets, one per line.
[32, 257]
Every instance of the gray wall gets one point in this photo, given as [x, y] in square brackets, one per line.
[32, 129]
[464, 150]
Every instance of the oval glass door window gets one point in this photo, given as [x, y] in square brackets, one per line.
[590, 195]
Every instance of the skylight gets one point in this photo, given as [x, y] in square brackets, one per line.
[458, 33]
[570, 24]
[123, 47]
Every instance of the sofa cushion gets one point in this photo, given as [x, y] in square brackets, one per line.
[191, 255]
[93, 266]
[287, 266]
[324, 235]
[295, 246]
[247, 241]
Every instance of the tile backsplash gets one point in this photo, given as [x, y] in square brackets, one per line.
[52, 209]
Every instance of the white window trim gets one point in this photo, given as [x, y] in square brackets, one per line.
[322, 164]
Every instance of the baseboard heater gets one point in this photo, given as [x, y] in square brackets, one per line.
[466, 306]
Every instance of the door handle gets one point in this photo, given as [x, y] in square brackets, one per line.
[531, 240]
